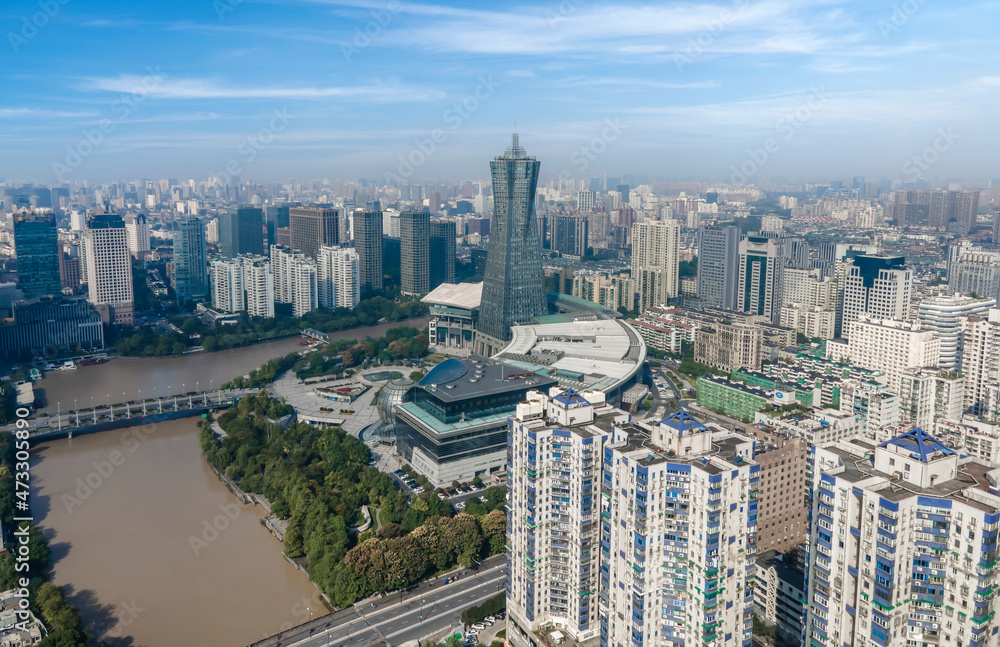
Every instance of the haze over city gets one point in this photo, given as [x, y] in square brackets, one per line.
[843, 88]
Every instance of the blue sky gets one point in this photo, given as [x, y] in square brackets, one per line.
[320, 88]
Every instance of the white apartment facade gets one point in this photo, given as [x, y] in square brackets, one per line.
[888, 346]
[258, 286]
[655, 261]
[338, 277]
[137, 230]
[945, 315]
[227, 285]
[981, 364]
[927, 394]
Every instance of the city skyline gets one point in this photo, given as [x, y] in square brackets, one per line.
[317, 89]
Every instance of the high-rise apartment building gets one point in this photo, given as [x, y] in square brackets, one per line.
[943, 210]
[137, 229]
[190, 277]
[109, 268]
[879, 286]
[37, 248]
[295, 279]
[718, 266]
[258, 286]
[414, 257]
[585, 200]
[554, 460]
[808, 288]
[241, 231]
[944, 315]
[903, 545]
[570, 234]
[338, 277]
[314, 227]
[368, 243]
[782, 520]
[514, 284]
[442, 252]
[678, 535]
[928, 394]
[974, 271]
[655, 260]
[981, 364]
[888, 346]
[227, 285]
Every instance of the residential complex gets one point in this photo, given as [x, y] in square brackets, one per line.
[655, 258]
[338, 276]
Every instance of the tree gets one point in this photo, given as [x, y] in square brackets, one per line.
[294, 539]
[416, 375]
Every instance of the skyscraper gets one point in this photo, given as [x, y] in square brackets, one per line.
[655, 259]
[514, 285]
[368, 243]
[763, 259]
[442, 253]
[878, 285]
[190, 269]
[241, 231]
[312, 228]
[944, 315]
[109, 268]
[295, 279]
[415, 246]
[227, 285]
[36, 244]
[718, 264]
[258, 285]
[569, 235]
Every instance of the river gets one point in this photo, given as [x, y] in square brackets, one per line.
[124, 378]
[158, 549]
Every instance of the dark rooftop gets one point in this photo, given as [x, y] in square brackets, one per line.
[461, 379]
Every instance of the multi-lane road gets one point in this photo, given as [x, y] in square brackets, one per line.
[399, 617]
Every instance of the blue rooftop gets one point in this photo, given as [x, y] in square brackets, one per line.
[919, 443]
[447, 371]
[570, 397]
[683, 421]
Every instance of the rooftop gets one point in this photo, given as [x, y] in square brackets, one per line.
[460, 379]
[921, 445]
[457, 295]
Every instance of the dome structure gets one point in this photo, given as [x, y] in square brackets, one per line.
[391, 395]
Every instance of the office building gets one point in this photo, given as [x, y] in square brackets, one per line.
[903, 546]
[227, 285]
[944, 315]
[442, 253]
[109, 268]
[277, 216]
[313, 227]
[137, 229]
[453, 424]
[190, 277]
[368, 243]
[241, 231]
[779, 595]
[258, 286]
[554, 529]
[514, 284]
[879, 286]
[974, 271]
[760, 266]
[655, 259]
[454, 309]
[678, 535]
[37, 248]
[718, 266]
[729, 346]
[414, 257]
[888, 346]
[338, 276]
[570, 235]
[50, 325]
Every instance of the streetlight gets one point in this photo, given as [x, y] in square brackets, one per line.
[111, 407]
[128, 407]
[77, 410]
[93, 408]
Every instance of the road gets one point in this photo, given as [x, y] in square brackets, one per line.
[401, 616]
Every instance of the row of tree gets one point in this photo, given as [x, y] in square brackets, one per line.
[319, 479]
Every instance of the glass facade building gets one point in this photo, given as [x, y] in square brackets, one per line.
[36, 243]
